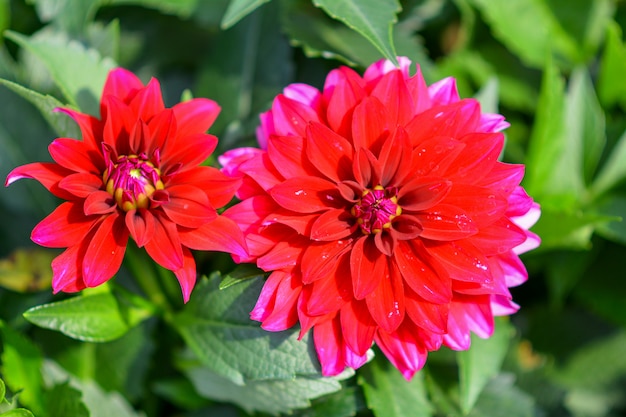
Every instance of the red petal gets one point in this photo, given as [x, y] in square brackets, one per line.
[67, 275]
[306, 194]
[386, 302]
[367, 266]
[432, 317]
[434, 156]
[394, 155]
[284, 254]
[403, 349]
[74, 155]
[195, 116]
[64, 227]
[369, 122]
[88, 126]
[499, 237]
[119, 123]
[484, 206]
[423, 193]
[344, 89]
[446, 222]
[284, 313]
[320, 260]
[453, 121]
[265, 302]
[188, 206]
[105, 253]
[478, 158]
[99, 202]
[332, 225]
[186, 275]
[140, 224]
[329, 347]
[221, 234]
[503, 178]
[427, 282]
[330, 153]
[288, 157]
[138, 137]
[357, 326]
[148, 102]
[329, 294]
[162, 128]
[81, 184]
[392, 90]
[190, 151]
[262, 171]
[165, 246]
[48, 174]
[291, 117]
[218, 187]
[462, 260]
[121, 83]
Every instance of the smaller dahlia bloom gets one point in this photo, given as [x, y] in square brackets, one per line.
[384, 216]
[136, 173]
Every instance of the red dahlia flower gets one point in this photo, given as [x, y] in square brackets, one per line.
[137, 173]
[381, 207]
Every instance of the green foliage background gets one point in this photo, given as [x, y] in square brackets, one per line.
[555, 68]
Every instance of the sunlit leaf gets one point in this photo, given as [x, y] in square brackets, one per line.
[614, 169]
[238, 9]
[93, 317]
[373, 19]
[611, 80]
[64, 401]
[240, 274]
[18, 412]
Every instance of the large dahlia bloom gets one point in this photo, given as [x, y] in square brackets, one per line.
[381, 208]
[136, 172]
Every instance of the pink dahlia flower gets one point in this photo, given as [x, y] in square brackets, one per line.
[136, 172]
[381, 207]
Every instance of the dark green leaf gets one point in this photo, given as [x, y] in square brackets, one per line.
[68, 15]
[272, 396]
[373, 19]
[181, 8]
[613, 171]
[3, 391]
[238, 9]
[388, 394]
[93, 317]
[611, 80]
[80, 73]
[216, 325]
[615, 230]
[21, 367]
[241, 273]
[481, 363]
[64, 401]
[181, 392]
[344, 403]
[18, 412]
[502, 399]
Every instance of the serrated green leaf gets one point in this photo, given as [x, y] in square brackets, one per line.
[216, 325]
[238, 9]
[64, 401]
[91, 318]
[63, 125]
[69, 15]
[510, 22]
[18, 412]
[373, 19]
[78, 72]
[388, 394]
[613, 171]
[272, 396]
[482, 362]
[611, 80]
[21, 367]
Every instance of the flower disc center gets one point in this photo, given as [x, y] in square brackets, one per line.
[376, 209]
[132, 180]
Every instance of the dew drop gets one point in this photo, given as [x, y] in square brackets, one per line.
[300, 193]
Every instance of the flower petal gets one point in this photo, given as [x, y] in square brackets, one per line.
[329, 294]
[306, 194]
[187, 275]
[81, 184]
[121, 83]
[220, 234]
[392, 90]
[188, 206]
[329, 347]
[195, 116]
[462, 260]
[403, 349]
[284, 313]
[367, 266]
[332, 225]
[291, 117]
[165, 246]
[190, 151]
[432, 317]
[330, 153]
[320, 260]
[64, 227]
[105, 253]
[140, 224]
[369, 123]
[48, 174]
[446, 222]
[423, 193]
[386, 302]
[67, 273]
[148, 101]
[99, 202]
[357, 327]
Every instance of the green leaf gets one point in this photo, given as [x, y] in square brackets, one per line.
[611, 80]
[26, 270]
[181, 392]
[18, 412]
[68, 15]
[180, 8]
[241, 273]
[90, 318]
[79, 73]
[502, 399]
[21, 367]
[373, 19]
[388, 394]
[615, 205]
[613, 171]
[64, 401]
[216, 325]
[346, 402]
[3, 391]
[238, 9]
[272, 396]
[482, 362]
[63, 125]
[510, 22]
